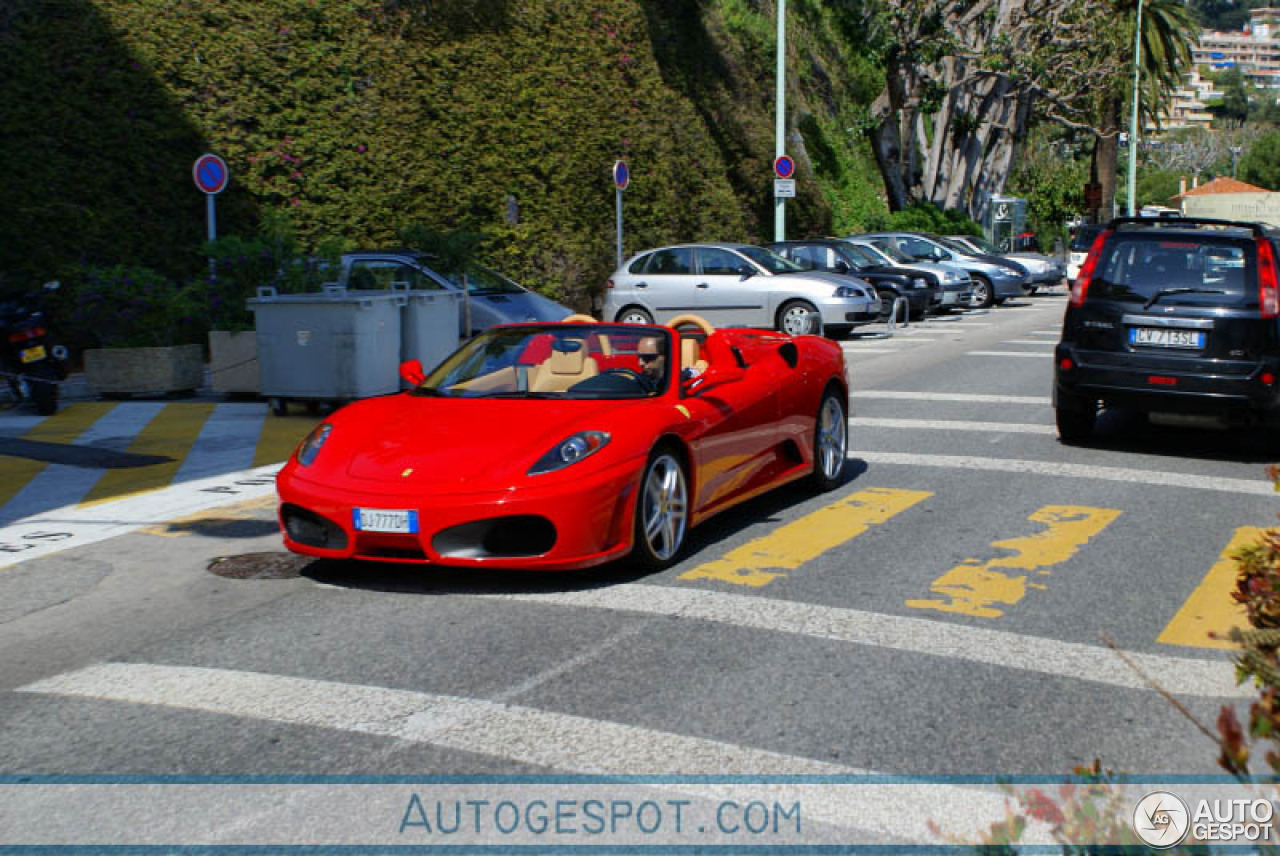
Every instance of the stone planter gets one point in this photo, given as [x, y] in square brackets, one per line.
[144, 371]
[233, 362]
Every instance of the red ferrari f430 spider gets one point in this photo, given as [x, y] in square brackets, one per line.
[569, 444]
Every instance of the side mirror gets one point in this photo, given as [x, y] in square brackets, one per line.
[411, 371]
[746, 271]
[841, 267]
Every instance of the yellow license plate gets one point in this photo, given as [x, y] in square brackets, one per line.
[30, 355]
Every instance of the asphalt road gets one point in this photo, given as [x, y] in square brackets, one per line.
[948, 610]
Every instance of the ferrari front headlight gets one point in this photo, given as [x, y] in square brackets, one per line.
[311, 446]
[569, 451]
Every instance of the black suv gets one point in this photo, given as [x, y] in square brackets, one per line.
[920, 289]
[1172, 316]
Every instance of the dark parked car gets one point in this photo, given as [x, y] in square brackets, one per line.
[920, 289]
[1172, 316]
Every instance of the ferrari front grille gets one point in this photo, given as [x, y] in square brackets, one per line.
[497, 538]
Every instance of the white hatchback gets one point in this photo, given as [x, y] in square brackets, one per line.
[737, 285]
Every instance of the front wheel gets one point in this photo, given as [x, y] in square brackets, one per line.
[662, 511]
[796, 318]
[981, 294]
[45, 395]
[830, 442]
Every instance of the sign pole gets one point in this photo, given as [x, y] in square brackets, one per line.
[621, 178]
[212, 216]
[780, 120]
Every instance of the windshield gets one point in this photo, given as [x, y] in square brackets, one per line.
[861, 255]
[1146, 269]
[566, 361]
[953, 246]
[982, 244]
[481, 280]
[1082, 240]
[893, 252]
[769, 260]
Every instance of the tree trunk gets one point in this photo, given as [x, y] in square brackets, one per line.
[1106, 153]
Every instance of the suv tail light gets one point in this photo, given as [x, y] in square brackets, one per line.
[1268, 286]
[1080, 288]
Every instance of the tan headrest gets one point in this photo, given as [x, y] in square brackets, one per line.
[689, 353]
[568, 362]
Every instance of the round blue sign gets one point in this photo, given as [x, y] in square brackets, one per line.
[784, 167]
[210, 173]
[621, 175]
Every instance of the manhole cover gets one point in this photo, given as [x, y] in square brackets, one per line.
[259, 566]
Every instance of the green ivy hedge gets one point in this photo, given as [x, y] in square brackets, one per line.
[353, 118]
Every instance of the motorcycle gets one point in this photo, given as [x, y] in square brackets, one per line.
[32, 365]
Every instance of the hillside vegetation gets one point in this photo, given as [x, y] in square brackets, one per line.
[359, 117]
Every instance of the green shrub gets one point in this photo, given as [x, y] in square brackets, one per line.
[123, 307]
[926, 217]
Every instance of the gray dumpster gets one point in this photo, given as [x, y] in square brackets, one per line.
[429, 326]
[328, 347]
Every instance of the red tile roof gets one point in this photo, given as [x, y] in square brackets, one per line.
[1224, 185]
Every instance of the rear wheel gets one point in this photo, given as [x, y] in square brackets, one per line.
[830, 442]
[1076, 421]
[796, 318]
[634, 315]
[662, 510]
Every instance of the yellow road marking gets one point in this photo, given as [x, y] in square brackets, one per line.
[1210, 607]
[280, 436]
[172, 433]
[211, 519]
[975, 587]
[62, 427]
[763, 560]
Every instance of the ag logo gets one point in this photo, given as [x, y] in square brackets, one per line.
[1161, 820]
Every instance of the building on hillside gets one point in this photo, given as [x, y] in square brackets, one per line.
[1230, 199]
[1188, 107]
[1255, 51]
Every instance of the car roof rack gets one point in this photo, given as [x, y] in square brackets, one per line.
[1258, 230]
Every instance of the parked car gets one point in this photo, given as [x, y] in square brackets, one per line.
[954, 285]
[1172, 316]
[1081, 241]
[995, 280]
[736, 285]
[920, 290]
[1041, 269]
[553, 446]
[492, 298]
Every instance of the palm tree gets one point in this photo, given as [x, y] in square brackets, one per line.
[1168, 29]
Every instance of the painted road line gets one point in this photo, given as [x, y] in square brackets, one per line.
[62, 427]
[15, 424]
[949, 425]
[1038, 356]
[1210, 608]
[540, 738]
[858, 350]
[174, 428]
[1045, 333]
[763, 560]
[980, 588]
[1077, 661]
[950, 396]
[75, 526]
[1028, 342]
[280, 436]
[226, 443]
[1253, 487]
[56, 485]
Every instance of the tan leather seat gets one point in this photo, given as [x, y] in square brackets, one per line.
[563, 369]
[691, 357]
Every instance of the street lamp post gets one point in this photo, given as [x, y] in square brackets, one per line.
[1133, 118]
[780, 121]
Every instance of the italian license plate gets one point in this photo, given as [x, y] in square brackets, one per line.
[1166, 338]
[384, 520]
[30, 355]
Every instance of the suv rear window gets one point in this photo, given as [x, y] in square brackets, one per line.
[1176, 269]
[1082, 240]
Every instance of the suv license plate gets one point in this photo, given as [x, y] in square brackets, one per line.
[384, 520]
[1166, 338]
